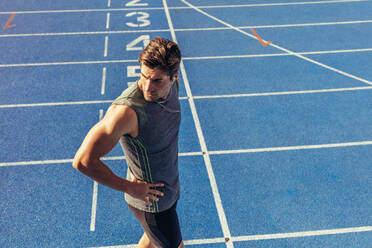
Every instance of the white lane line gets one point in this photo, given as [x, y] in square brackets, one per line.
[285, 93]
[186, 242]
[278, 4]
[272, 26]
[304, 234]
[39, 162]
[106, 46]
[103, 84]
[337, 51]
[95, 195]
[77, 10]
[100, 114]
[182, 154]
[191, 58]
[188, 29]
[48, 104]
[265, 236]
[278, 54]
[291, 148]
[237, 56]
[180, 8]
[108, 20]
[87, 33]
[216, 194]
[94, 207]
[69, 161]
[116, 246]
[204, 241]
[71, 63]
[278, 47]
[308, 24]
[195, 97]
[253, 150]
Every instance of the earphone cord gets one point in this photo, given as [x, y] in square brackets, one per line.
[166, 108]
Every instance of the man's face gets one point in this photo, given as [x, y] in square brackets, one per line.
[154, 83]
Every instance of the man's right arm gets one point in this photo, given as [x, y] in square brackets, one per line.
[100, 140]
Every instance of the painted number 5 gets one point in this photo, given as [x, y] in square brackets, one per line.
[142, 19]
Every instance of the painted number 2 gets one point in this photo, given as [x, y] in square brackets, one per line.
[136, 3]
[142, 19]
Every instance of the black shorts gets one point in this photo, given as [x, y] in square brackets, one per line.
[162, 228]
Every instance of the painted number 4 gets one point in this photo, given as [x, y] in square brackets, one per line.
[135, 44]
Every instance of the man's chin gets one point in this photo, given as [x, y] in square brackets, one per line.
[149, 98]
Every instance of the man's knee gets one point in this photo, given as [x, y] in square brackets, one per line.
[145, 242]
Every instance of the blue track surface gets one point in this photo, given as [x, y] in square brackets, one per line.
[275, 142]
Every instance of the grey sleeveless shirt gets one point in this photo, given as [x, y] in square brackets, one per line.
[152, 156]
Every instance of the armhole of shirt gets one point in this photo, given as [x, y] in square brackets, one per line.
[127, 99]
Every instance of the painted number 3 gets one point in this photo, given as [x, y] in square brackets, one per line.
[142, 19]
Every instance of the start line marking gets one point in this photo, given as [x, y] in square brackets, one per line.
[49, 104]
[263, 43]
[252, 150]
[265, 236]
[184, 7]
[7, 24]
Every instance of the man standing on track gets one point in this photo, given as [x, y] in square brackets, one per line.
[145, 118]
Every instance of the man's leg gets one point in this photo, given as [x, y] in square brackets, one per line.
[181, 245]
[145, 242]
[162, 229]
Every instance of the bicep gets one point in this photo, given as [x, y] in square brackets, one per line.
[103, 137]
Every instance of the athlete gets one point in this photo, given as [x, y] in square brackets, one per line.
[145, 119]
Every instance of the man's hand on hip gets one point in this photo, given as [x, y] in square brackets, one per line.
[144, 191]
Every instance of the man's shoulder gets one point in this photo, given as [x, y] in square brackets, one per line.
[120, 117]
[131, 96]
[120, 109]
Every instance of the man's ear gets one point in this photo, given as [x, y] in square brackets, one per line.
[176, 78]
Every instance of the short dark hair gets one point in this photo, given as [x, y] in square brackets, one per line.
[163, 54]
